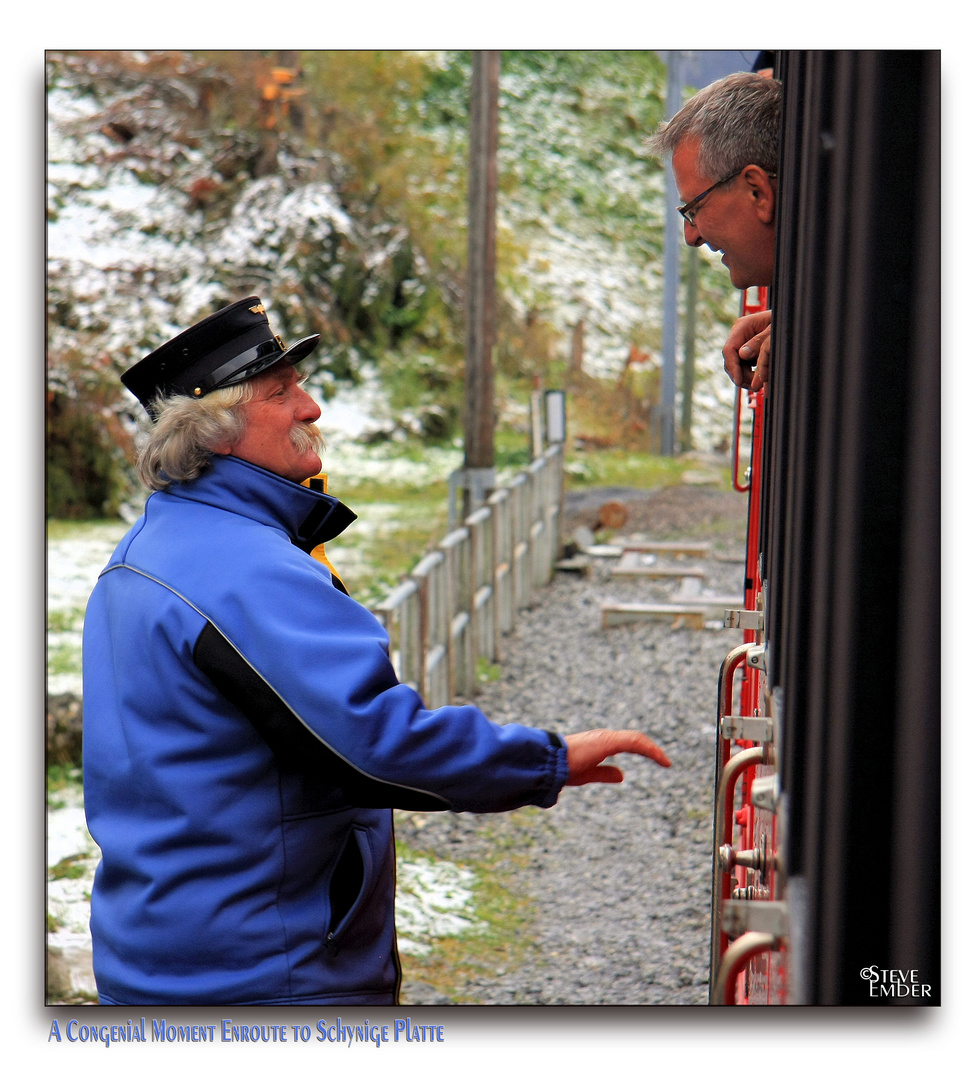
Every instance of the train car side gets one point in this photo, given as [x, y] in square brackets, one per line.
[827, 888]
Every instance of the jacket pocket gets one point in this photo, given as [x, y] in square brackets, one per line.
[349, 887]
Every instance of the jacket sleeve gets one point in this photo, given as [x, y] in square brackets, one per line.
[311, 668]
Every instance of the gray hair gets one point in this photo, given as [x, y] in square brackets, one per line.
[179, 445]
[736, 119]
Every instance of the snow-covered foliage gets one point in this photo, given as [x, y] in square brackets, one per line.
[162, 207]
[147, 236]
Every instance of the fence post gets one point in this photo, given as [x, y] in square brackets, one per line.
[457, 612]
[399, 614]
[483, 600]
[521, 540]
[538, 523]
[556, 499]
[429, 575]
[503, 504]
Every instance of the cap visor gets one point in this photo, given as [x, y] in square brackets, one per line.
[293, 355]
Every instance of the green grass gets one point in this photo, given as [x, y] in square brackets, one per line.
[486, 671]
[63, 782]
[100, 529]
[499, 904]
[65, 619]
[62, 777]
[630, 468]
[369, 490]
[62, 659]
[70, 867]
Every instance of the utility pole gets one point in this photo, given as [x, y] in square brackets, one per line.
[689, 349]
[478, 463]
[671, 269]
[578, 346]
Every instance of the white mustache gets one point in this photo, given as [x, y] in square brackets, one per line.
[307, 437]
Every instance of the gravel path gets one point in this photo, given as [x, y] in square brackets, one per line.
[619, 876]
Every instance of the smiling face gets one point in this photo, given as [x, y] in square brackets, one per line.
[279, 433]
[736, 218]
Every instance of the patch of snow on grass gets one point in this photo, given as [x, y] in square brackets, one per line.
[433, 900]
[69, 897]
[73, 566]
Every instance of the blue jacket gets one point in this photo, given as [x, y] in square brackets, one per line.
[245, 738]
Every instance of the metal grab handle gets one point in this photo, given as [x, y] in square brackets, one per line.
[725, 698]
[732, 661]
[725, 706]
[723, 824]
[736, 461]
[748, 307]
[737, 955]
[725, 702]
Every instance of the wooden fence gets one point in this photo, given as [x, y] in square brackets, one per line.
[462, 597]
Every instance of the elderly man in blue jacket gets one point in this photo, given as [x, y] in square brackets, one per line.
[246, 738]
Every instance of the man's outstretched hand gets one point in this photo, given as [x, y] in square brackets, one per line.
[588, 749]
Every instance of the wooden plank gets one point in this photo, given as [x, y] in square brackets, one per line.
[705, 609]
[675, 614]
[669, 547]
[578, 564]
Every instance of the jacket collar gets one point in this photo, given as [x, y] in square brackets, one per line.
[308, 517]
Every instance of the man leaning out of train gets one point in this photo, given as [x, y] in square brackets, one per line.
[724, 147]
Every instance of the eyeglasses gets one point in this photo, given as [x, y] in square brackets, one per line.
[687, 210]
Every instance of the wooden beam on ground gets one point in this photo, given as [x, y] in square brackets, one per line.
[697, 614]
[668, 547]
[577, 564]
